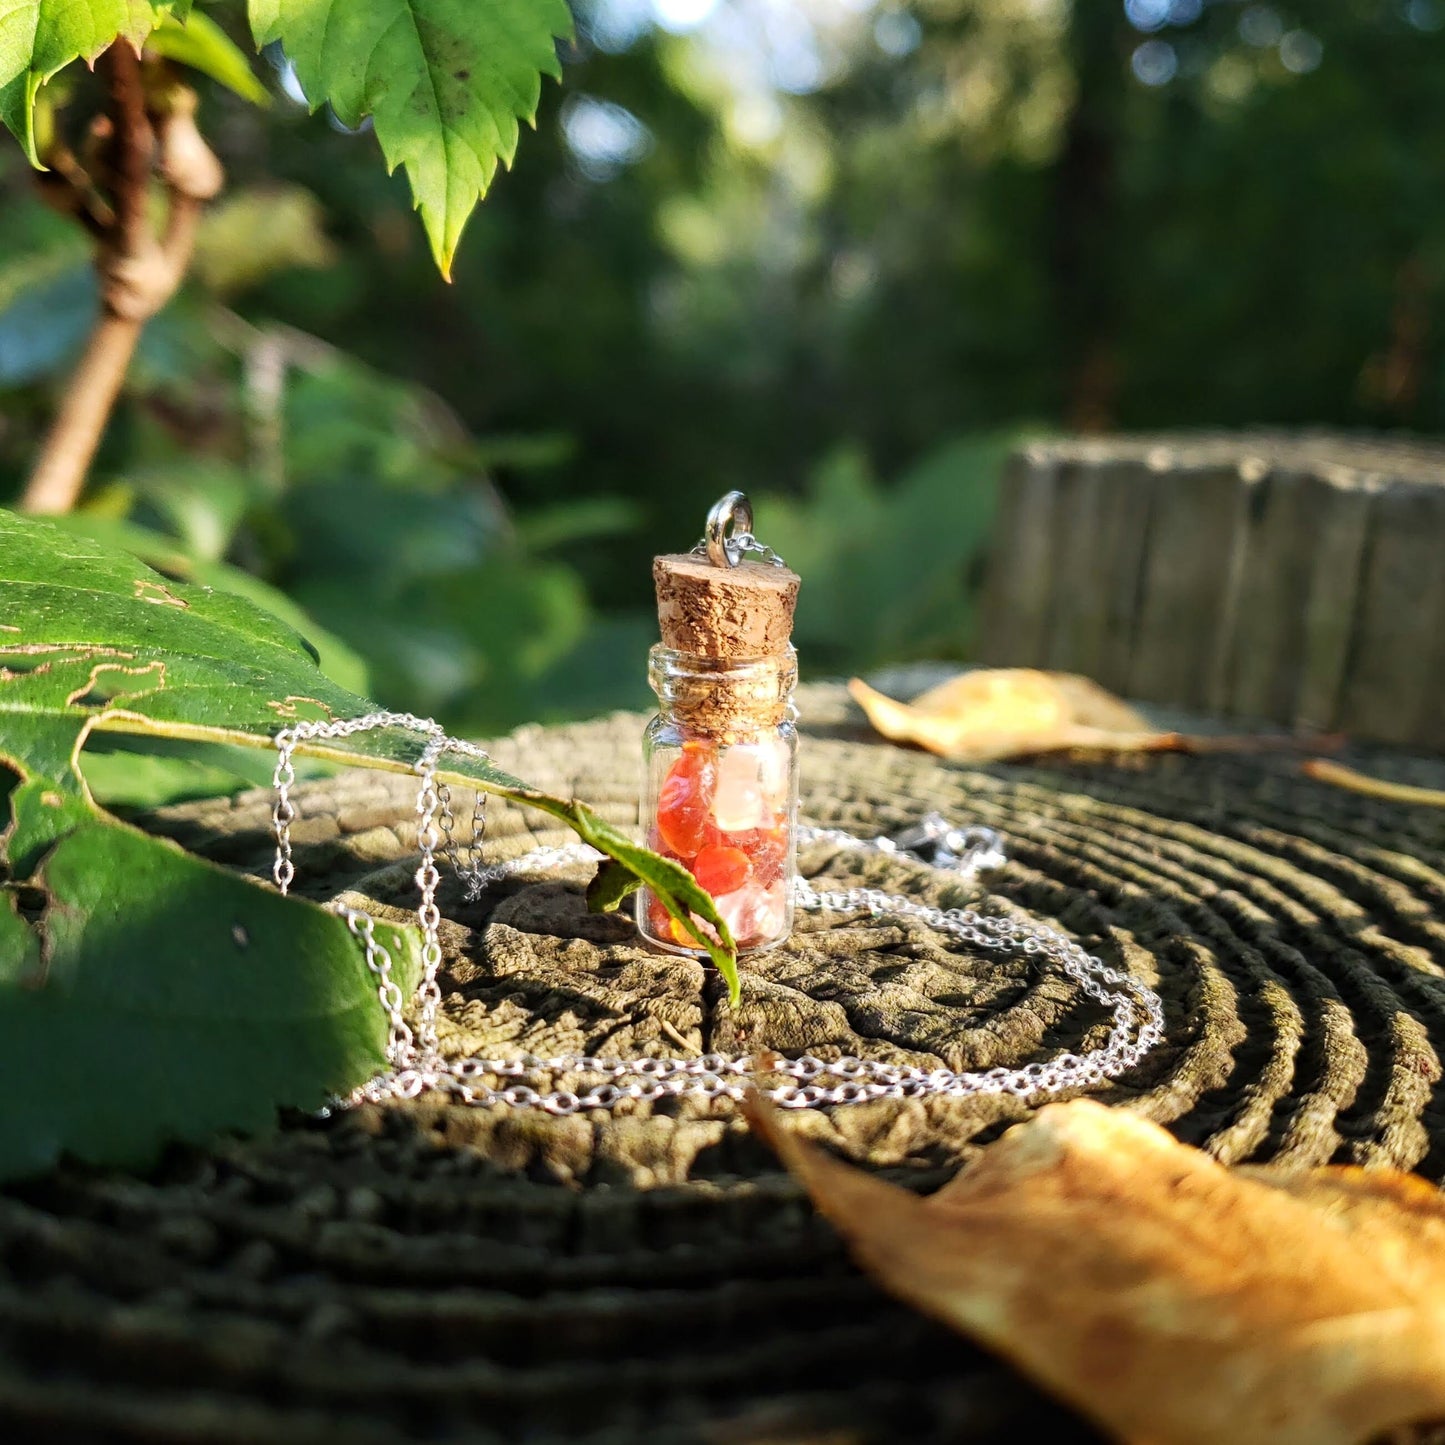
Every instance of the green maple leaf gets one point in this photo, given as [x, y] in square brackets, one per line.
[445, 82]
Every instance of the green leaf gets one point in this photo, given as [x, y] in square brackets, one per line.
[139, 773]
[142, 17]
[40, 37]
[614, 882]
[610, 885]
[251, 234]
[587, 519]
[445, 82]
[177, 999]
[202, 45]
[333, 657]
[137, 978]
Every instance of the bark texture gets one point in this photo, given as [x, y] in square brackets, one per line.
[1299, 579]
[424, 1273]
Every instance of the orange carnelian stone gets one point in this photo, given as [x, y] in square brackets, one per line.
[665, 926]
[684, 800]
[721, 869]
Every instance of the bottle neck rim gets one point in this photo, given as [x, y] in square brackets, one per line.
[720, 695]
[783, 665]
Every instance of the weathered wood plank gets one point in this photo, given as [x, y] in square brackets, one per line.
[1389, 684]
[1126, 504]
[1298, 579]
[1187, 567]
[1269, 613]
[1020, 581]
[1331, 601]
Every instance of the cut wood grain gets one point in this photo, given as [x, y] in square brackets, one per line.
[463, 1276]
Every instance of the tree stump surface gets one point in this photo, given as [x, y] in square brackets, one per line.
[1298, 578]
[425, 1273]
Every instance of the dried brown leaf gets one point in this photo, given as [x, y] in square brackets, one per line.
[1172, 1300]
[994, 713]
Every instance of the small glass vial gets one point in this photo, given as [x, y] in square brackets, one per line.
[721, 791]
[720, 794]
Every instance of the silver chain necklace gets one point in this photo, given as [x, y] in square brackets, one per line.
[416, 1065]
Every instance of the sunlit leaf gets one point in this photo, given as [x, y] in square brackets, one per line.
[135, 970]
[143, 16]
[994, 713]
[445, 81]
[40, 37]
[202, 45]
[338, 661]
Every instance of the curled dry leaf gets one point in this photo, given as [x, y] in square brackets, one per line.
[1172, 1300]
[994, 713]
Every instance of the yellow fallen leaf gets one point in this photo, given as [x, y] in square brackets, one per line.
[994, 713]
[1172, 1300]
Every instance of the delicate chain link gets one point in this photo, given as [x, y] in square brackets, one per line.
[469, 870]
[740, 545]
[416, 1065]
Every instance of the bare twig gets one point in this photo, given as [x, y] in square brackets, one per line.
[139, 272]
[67, 187]
[59, 475]
[1357, 782]
[684, 1044]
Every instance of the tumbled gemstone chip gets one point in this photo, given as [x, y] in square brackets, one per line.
[722, 869]
[684, 802]
[738, 802]
[755, 914]
[723, 813]
[767, 850]
[665, 926]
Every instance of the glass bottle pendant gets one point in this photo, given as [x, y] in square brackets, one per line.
[723, 805]
[721, 756]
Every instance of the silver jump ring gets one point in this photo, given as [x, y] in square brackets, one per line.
[735, 511]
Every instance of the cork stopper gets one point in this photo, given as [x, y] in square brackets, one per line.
[726, 613]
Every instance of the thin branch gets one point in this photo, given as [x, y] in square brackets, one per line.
[1357, 782]
[134, 148]
[85, 407]
[59, 475]
[138, 271]
[66, 186]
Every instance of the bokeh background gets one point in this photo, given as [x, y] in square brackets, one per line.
[842, 254]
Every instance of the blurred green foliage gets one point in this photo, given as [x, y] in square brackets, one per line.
[891, 570]
[842, 282]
